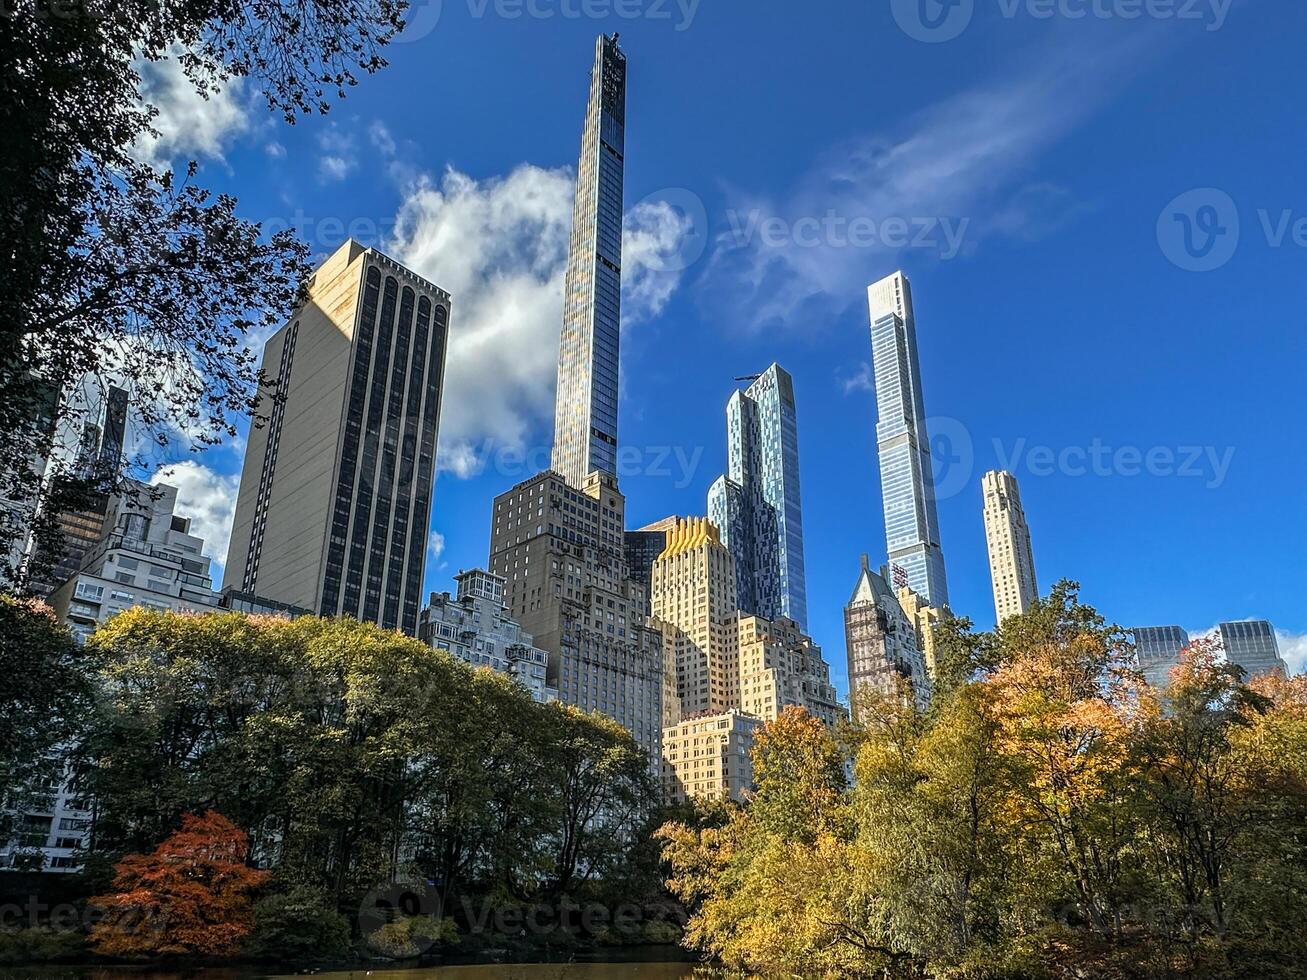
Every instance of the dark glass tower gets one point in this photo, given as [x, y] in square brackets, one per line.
[585, 425]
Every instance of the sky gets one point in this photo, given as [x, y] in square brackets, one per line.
[1099, 204]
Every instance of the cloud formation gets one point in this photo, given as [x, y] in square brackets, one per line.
[208, 499]
[189, 125]
[499, 246]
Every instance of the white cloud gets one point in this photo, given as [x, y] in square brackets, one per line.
[961, 163]
[208, 499]
[189, 125]
[339, 157]
[859, 380]
[275, 150]
[436, 545]
[499, 246]
[1293, 648]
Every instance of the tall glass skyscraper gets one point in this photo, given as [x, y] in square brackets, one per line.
[1252, 645]
[585, 420]
[757, 505]
[907, 479]
[1158, 649]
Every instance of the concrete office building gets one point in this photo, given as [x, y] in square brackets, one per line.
[1158, 650]
[560, 552]
[708, 757]
[52, 822]
[335, 495]
[881, 641]
[1252, 645]
[1007, 536]
[475, 626]
[757, 504]
[907, 477]
[585, 426]
[693, 601]
[146, 557]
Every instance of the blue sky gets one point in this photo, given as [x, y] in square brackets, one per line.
[1027, 175]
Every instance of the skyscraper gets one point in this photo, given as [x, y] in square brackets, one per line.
[335, 494]
[907, 478]
[757, 504]
[1252, 645]
[1007, 535]
[881, 641]
[1158, 649]
[585, 421]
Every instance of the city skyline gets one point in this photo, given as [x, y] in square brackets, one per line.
[834, 478]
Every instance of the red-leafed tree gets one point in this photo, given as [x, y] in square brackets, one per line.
[191, 896]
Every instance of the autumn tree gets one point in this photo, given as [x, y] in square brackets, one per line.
[190, 896]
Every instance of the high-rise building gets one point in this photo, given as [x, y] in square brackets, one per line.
[147, 556]
[780, 667]
[643, 546]
[585, 427]
[1007, 535]
[907, 477]
[881, 641]
[925, 618]
[693, 601]
[476, 627]
[98, 466]
[757, 504]
[1252, 645]
[1158, 649]
[335, 494]
[708, 757]
[560, 553]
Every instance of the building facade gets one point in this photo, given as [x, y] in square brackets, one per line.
[907, 477]
[560, 552]
[145, 557]
[335, 494]
[1007, 536]
[585, 427]
[708, 757]
[1158, 649]
[881, 641]
[643, 546]
[475, 626]
[757, 504]
[693, 601]
[1252, 645]
[926, 619]
[780, 667]
[53, 821]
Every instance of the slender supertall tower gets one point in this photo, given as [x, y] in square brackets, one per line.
[907, 478]
[1007, 535]
[585, 421]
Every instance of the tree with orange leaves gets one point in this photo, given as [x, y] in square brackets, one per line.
[191, 896]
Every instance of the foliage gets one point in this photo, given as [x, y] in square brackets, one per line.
[295, 927]
[116, 270]
[1048, 815]
[44, 695]
[40, 945]
[354, 757]
[190, 896]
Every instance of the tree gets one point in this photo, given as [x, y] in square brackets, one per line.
[44, 695]
[115, 270]
[191, 896]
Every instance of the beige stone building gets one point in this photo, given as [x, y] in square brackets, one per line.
[925, 617]
[708, 757]
[692, 595]
[779, 667]
[1011, 559]
[335, 494]
[560, 552]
